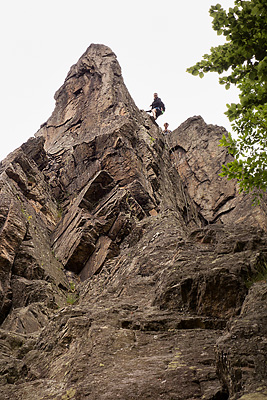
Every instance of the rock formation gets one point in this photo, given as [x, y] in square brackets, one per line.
[198, 159]
[129, 269]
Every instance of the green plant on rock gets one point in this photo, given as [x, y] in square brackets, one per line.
[70, 394]
[59, 213]
[72, 296]
[23, 210]
[259, 277]
[27, 215]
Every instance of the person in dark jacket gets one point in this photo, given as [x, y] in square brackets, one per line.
[166, 130]
[157, 106]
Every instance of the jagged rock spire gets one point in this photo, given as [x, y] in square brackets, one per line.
[92, 101]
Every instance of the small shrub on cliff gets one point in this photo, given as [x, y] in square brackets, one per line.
[72, 296]
[261, 276]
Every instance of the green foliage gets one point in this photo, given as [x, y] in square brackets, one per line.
[24, 211]
[59, 213]
[244, 59]
[259, 277]
[26, 214]
[72, 296]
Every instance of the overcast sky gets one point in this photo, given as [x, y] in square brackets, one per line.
[155, 41]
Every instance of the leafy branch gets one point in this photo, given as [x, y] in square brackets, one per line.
[243, 57]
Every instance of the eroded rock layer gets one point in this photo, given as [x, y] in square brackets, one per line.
[129, 269]
[196, 153]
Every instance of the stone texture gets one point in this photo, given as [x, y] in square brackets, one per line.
[28, 213]
[241, 351]
[129, 269]
[217, 199]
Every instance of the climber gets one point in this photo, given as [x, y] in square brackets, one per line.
[166, 130]
[157, 107]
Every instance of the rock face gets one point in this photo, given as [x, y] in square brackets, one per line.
[217, 199]
[129, 269]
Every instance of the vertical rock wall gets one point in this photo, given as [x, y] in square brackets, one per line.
[128, 267]
[196, 153]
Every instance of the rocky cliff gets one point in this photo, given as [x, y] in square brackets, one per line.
[129, 269]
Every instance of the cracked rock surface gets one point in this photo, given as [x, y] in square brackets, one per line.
[217, 199]
[128, 268]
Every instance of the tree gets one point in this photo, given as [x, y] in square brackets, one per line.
[244, 58]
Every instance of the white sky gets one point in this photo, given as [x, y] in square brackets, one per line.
[155, 41]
